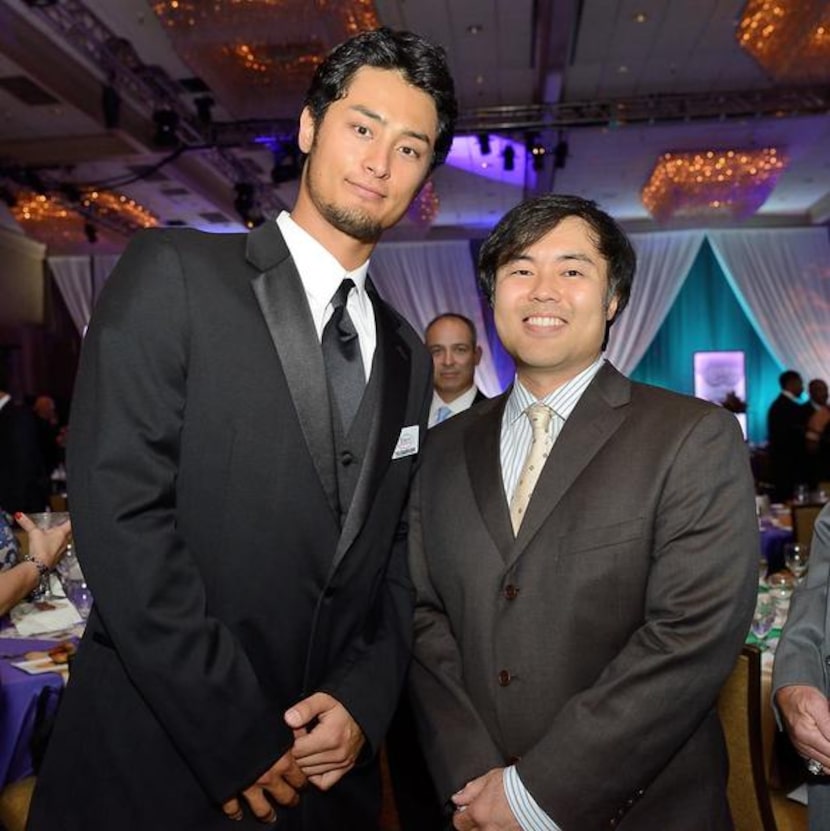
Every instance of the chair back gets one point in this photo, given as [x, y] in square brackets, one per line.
[804, 517]
[14, 804]
[739, 708]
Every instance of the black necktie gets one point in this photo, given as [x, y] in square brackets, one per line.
[341, 355]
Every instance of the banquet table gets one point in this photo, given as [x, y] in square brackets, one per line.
[19, 693]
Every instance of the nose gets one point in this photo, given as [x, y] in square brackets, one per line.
[545, 287]
[378, 159]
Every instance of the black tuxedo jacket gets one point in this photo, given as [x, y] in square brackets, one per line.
[204, 497]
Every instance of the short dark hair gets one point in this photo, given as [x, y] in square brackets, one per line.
[530, 220]
[455, 316]
[421, 63]
[787, 377]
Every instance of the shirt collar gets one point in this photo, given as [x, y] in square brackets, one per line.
[562, 400]
[319, 269]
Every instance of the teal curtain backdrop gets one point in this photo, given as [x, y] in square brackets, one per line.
[707, 316]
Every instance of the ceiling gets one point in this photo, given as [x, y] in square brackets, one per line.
[618, 81]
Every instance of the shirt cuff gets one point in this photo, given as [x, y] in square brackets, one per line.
[524, 807]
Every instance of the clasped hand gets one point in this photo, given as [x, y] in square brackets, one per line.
[482, 804]
[327, 742]
[807, 715]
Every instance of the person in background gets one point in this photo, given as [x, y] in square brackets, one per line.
[48, 430]
[24, 481]
[801, 693]
[452, 341]
[817, 434]
[786, 425]
[583, 550]
[20, 574]
[246, 420]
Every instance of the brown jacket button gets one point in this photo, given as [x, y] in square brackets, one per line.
[504, 678]
[511, 592]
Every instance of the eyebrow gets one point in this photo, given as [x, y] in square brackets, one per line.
[568, 255]
[371, 114]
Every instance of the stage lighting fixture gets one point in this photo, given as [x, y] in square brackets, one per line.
[509, 156]
[110, 106]
[287, 165]
[204, 105]
[484, 143]
[167, 123]
[244, 202]
[536, 150]
[560, 153]
[91, 233]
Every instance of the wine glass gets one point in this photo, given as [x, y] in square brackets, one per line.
[44, 521]
[763, 619]
[797, 556]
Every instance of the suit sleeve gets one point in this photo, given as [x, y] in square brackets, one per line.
[613, 738]
[127, 417]
[446, 716]
[799, 657]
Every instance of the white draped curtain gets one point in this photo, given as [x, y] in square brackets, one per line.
[422, 280]
[782, 280]
[663, 263]
[80, 280]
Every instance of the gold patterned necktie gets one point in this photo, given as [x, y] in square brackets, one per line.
[540, 417]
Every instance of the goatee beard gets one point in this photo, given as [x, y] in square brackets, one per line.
[352, 222]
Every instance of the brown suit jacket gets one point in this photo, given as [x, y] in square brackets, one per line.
[592, 647]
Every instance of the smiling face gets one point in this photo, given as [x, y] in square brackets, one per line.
[551, 306]
[367, 159]
[454, 357]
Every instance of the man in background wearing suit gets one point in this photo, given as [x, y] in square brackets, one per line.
[786, 430]
[246, 420]
[452, 341]
[571, 638]
[800, 686]
[24, 480]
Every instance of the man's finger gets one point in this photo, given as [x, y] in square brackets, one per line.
[233, 810]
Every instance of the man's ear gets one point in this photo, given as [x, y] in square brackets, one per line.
[305, 137]
[478, 355]
[611, 311]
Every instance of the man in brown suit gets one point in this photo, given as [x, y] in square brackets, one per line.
[569, 649]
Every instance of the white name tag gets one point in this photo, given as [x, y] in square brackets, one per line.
[407, 442]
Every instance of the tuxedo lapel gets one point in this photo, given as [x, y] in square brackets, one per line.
[279, 292]
[594, 420]
[393, 365]
[483, 454]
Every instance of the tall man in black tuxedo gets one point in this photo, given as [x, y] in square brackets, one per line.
[241, 531]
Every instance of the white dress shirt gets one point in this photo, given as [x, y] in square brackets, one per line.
[458, 405]
[516, 436]
[321, 275]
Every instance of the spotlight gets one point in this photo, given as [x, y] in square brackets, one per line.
[166, 122]
[286, 164]
[560, 153]
[244, 202]
[204, 104]
[110, 106]
[484, 143]
[509, 155]
[536, 150]
[91, 233]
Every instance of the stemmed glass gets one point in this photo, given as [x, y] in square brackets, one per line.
[797, 556]
[44, 521]
[763, 619]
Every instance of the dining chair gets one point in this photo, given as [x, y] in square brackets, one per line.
[739, 708]
[804, 517]
[14, 804]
